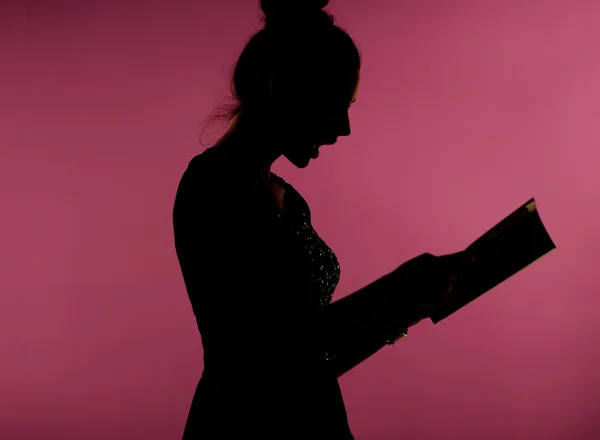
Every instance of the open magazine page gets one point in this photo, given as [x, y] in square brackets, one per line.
[509, 247]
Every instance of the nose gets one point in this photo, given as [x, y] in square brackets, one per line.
[344, 128]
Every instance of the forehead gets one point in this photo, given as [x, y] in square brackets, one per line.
[343, 84]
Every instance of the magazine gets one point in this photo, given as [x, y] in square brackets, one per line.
[509, 247]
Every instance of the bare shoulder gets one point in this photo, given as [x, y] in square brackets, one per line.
[200, 183]
[210, 161]
[216, 177]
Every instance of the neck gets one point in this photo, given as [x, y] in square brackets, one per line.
[253, 144]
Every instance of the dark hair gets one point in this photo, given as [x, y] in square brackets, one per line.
[299, 40]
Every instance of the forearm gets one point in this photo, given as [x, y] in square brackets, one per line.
[360, 324]
[364, 343]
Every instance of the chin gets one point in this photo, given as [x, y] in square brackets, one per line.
[299, 162]
[302, 158]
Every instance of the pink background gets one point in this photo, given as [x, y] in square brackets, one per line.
[466, 110]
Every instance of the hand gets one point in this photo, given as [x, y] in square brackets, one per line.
[426, 282]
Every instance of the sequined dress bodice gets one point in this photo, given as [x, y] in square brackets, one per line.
[323, 269]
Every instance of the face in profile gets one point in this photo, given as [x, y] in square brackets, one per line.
[320, 117]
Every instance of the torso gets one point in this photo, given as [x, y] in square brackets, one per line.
[221, 249]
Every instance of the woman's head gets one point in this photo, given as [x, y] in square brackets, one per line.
[297, 76]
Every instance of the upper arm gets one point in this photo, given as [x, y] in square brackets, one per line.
[240, 271]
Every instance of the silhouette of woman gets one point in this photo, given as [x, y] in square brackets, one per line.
[259, 278]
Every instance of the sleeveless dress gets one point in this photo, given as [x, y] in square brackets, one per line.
[259, 281]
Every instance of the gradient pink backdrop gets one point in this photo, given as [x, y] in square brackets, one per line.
[466, 109]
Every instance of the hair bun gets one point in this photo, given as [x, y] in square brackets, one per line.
[282, 12]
